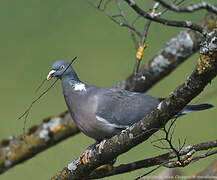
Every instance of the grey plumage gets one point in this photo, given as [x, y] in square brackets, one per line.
[101, 113]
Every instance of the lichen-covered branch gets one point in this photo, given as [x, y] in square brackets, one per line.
[204, 72]
[157, 160]
[14, 150]
[175, 52]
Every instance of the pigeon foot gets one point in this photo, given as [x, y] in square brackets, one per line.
[85, 157]
[100, 146]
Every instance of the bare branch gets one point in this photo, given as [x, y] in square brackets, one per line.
[142, 46]
[113, 18]
[188, 159]
[99, 4]
[157, 160]
[127, 22]
[187, 24]
[192, 8]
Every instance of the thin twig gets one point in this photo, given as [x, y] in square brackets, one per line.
[100, 3]
[149, 172]
[145, 33]
[39, 87]
[114, 19]
[168, 138]
[26, 113]
[142, 43]
[127, 22]
[106, 4]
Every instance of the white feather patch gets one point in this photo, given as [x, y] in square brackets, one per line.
[104, 121]
[79, 87]
[159, 106]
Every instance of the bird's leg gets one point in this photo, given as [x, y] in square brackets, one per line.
[87, 154]
[85, 157]
[101, 145]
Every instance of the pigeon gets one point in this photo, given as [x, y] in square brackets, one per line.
[101, 113]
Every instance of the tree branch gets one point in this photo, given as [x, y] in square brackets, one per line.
[187, 24]
[122, 24]
[204, 72]
[157, 160]
[15, 150]
[142, 46]
[192, 8]
[176, 51]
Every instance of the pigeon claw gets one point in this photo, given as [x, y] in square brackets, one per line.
[85, 157]
[100, 146]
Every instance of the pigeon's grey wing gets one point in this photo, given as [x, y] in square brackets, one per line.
[123, 108]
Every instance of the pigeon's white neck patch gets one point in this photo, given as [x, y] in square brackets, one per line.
[79, 87]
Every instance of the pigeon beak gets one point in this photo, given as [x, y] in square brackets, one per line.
[50, 75]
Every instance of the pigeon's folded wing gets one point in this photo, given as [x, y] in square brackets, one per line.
[123, 108]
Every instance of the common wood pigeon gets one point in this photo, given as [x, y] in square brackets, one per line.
[100, 112]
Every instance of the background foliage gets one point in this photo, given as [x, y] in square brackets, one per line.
[36, 33]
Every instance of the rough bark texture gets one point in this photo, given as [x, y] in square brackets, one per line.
[15, 149]
[153, 161]
[204, 72]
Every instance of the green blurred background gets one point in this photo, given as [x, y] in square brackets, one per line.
[34, 34]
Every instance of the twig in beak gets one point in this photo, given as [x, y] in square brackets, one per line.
[26, 113]
[39, 87]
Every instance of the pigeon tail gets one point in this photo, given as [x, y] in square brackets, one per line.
[195, 107]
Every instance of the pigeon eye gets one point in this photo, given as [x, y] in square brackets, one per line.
[62, 67]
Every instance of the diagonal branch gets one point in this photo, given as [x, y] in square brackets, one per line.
[191, 8]
[15, 150]
[204, 72]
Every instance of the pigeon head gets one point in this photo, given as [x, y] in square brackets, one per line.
[61, 69]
